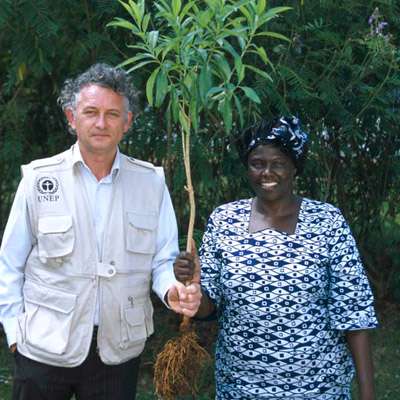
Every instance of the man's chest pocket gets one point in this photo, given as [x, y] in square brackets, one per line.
[55, 236]
[141, 232]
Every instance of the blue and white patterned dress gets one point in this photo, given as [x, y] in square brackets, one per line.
[283, 303]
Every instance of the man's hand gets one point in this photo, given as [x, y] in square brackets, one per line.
[13, 348]
[185, 299]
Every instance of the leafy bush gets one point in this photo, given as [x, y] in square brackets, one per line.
[339, 73]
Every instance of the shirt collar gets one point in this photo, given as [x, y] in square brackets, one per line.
[78, 161]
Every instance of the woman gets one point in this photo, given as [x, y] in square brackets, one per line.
[284, 277]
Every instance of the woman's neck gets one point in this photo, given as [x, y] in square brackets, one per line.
[279, 207]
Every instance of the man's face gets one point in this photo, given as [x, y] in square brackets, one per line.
[100, 120]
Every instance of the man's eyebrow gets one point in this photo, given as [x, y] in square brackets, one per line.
[95, 108]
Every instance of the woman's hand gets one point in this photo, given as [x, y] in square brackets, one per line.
[187, 271]
[184, 267]
[187, 266]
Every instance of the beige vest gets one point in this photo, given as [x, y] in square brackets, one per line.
[63, 275]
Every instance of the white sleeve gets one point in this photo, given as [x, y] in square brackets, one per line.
[166, 248]
[15, 247]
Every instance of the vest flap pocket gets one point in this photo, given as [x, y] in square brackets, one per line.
[56, 236]
[48, 318]
[49, 298]
[141, 232]
[59, 224]
[134, 326]
[142, 221]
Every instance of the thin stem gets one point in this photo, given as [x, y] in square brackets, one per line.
[189, 184]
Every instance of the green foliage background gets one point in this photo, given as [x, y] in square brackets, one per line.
[340, 77]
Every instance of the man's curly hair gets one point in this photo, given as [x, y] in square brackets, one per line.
[103, 75]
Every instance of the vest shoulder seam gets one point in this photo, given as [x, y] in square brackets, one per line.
[141, 163]
[45, 162]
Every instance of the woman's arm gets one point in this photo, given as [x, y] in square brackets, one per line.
[206, 307]
[359, 345]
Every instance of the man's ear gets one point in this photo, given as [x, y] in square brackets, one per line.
[129, 121]
[69, 114]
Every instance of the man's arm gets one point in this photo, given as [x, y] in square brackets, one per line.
[180, 298]
[15, 247]
[359, 345]
[166, 249]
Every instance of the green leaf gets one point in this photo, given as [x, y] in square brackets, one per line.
[194, 113]
[188, 84]
[174, 105]
[153, 38]
[239, 109]
[138, 57]
[215, 90]
[263, 55]
[150, 85]
[247, 14]
[176, 7]
[205, 82]
[240, 69]
[251, 94]
[203, 54]
[260, 72]
[204, 18]
[223, 66]
[128, 9]
[145, 22]
[273, 35]
[187, 8]
[227, 114]
[138, 47]
[140, 65]
[134, 10]
[161, 87]
[261, 6]
[122, 23]
[242, 42]
[184, 122]
[273, 13]
[228, 47]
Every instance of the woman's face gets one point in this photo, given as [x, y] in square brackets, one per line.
[271, 173]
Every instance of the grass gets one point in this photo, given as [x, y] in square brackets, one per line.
[386, 351]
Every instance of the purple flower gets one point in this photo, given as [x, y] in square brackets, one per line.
[382, 25]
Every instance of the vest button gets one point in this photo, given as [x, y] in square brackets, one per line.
[111, 271]
[112, 262]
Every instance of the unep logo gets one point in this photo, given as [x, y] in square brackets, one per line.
[47, 185]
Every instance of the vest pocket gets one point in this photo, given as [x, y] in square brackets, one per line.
[141, 232]
[55, 236]
[133, 328]
[46, 323]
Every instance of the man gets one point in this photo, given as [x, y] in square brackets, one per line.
[88, 232]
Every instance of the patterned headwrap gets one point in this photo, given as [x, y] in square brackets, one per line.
[285, 132]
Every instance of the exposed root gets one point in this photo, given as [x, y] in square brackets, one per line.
[178, 366]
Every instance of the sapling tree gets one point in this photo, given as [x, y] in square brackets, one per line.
[199, 56]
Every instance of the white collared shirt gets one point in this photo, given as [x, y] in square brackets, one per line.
[18, 241]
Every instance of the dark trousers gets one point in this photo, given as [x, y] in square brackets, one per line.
[92, 380]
